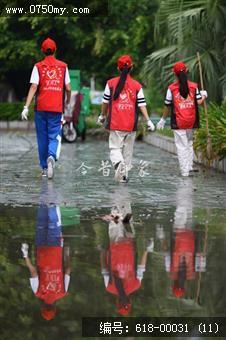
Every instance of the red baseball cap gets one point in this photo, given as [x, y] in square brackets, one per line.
[179, 67]
[48, 44]
[124, 309]
[178, 292]
[48, 313]
[124, 60]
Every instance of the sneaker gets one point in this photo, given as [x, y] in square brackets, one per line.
[44, 173]
[51, 164]
[120, 171]
[193, 170]
[124, 179]
[184, 175]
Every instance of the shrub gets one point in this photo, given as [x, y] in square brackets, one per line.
[217, 123]
[12, 111]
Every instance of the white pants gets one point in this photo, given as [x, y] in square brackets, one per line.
[184, 144]
[121, 147]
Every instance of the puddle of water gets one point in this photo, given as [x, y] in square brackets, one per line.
[134, 259]
[155, 247]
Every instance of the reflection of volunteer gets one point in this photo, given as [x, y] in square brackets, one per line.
[184, 258]
[51, 277]
[49, 80]
[122, 97]
[182, 98]
[119, 266]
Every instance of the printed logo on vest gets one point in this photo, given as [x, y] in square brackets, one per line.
[183, 103]
[52, 78]
[125, 100]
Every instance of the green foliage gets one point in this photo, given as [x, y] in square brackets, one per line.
[217, 123]
[12, 111]
[91, 44]
[184, 27]
[166, 132]
[153, 97]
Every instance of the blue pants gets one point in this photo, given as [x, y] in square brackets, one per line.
[48, 227]
[48, 128]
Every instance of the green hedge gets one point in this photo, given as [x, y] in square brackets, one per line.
[12, 111]
[217, 128]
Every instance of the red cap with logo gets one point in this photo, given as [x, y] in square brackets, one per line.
[178, 292]
[48, 44]
[179, 67]
[124, 309]
[125, 60]
[48, 313]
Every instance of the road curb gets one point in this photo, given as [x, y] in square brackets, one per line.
[17, 125]
[167, 144]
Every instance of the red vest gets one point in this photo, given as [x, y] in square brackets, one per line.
[184, 110]
[122, 264]
[123, 112]
[50, 94]
[51, 277]
[184, 247]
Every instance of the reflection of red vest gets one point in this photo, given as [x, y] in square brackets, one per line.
[122, 265]
[51, 277]
[50, 95]
[123, 112]
[185, 110]
[184, 247]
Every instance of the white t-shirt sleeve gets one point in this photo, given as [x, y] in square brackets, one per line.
[34, 282]
[169, 97]
[66, 282]
[107, 94]
[67, 77]
[34, 76]
[140, 98]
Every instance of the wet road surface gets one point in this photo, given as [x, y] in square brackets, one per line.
[153, 247]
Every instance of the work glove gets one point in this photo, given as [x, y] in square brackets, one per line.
[160, 125]
[204, 93]
[151, 126]
[101, 119]
[24, 249]
[24, 113]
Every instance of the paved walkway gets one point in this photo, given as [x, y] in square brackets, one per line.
[21, 181]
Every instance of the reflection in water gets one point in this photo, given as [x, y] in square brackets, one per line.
[50, 278]
[122, 238]
[184, 258]
[122, 276]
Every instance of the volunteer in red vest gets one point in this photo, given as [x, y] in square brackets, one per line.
[182, 99]
[49, 80]
[123, 96]
[50, 279]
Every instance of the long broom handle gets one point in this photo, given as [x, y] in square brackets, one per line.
[204, 103]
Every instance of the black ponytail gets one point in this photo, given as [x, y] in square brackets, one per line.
[49, 52]
[119, 286]
[121, 81]
[183, 80]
